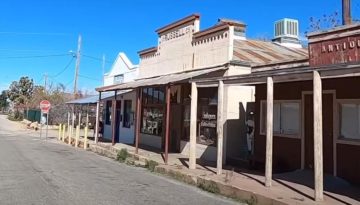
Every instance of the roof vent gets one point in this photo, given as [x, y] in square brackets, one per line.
[287, 33]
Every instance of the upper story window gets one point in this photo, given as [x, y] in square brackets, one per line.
[118, 79]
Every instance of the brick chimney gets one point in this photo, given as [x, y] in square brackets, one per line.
[346, 11]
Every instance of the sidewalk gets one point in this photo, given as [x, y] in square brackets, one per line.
[288, 188]
[240, 184]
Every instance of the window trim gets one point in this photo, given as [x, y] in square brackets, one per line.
[338, 139]
[293, 136]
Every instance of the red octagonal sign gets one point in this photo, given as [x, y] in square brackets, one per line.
[45, 106]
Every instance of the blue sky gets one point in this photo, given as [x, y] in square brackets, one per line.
[30, 30]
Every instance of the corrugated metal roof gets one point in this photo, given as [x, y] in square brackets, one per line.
[161, 80]
[95, 98]
[258, 52]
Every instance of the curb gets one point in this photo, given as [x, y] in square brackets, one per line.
[202, 182]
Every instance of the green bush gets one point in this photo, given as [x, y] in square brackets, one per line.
[122, 155]
[16, 116]
[150, 165]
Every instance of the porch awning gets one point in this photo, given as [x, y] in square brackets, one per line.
[95, 98]
[162, 80]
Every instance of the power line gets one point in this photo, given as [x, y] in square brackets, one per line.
[96, 58]
[90, 78]
[63, 70]
[37, 56]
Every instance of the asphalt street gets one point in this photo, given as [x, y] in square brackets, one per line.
[35, 171]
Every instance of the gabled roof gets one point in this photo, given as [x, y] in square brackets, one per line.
[257, 52]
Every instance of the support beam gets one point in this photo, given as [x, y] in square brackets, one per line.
[269, 131]
[113, 119]
[97, 123]
[318, 138]
[220, 124]
[138, 119]
[167, 128]
[193, 123]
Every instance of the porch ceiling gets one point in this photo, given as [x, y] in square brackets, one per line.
[162, 80]
[288, 75]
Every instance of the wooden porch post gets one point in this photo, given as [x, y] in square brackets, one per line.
[113, 119]
[318, 138]
[138, 119]
[193, 123]
[97, 119]
[167, 128]
[269, 131]
[220, 137]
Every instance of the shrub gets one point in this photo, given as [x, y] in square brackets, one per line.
[150, 165]
[122, 155]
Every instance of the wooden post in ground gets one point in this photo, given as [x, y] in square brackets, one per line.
[68, 126]
[269, 131]
[113, 119]
[77, 136]
[72, 127]
[193, 123]
[86, 132]
[318, 138]
[138, 120]
[167, 125]
[97, 123]
[60, 129]
[219, 130]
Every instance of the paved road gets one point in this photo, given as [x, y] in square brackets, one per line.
[33, 171]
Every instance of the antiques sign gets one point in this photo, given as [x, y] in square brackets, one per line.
[335, 51]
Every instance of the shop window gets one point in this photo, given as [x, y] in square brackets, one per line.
[153, 111]
[127, 114]
[350, 121]
[152, 121]
[206, 117]
[286, 118]
[108, 112]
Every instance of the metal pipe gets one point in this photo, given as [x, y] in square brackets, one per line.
[346, 12]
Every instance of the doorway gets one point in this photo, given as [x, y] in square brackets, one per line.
[118, 121]
[328, 112]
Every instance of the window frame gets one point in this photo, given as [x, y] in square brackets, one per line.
[262, 121]
[117, 76]
[108, 112]
[125, 112]
[338, 138]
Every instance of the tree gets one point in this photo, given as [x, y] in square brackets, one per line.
[20, 92]
[325, 22]
[3, 100]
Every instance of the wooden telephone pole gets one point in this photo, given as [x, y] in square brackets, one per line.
[77, 67]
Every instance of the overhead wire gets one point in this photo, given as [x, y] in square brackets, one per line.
[63, 70]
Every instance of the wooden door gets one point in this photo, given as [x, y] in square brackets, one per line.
[328, 110]
[175, 127]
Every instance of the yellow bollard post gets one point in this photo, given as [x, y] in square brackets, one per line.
[63, 133]
[60, 128]
[85, 137]
[69, 133]
[77, 136]
[86, 131]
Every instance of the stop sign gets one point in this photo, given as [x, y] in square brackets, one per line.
[45, 106]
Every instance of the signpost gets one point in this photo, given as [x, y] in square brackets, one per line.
[45, 108]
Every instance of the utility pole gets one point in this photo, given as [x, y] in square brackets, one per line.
[103, 69]
[45, 81]
[77, 67]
